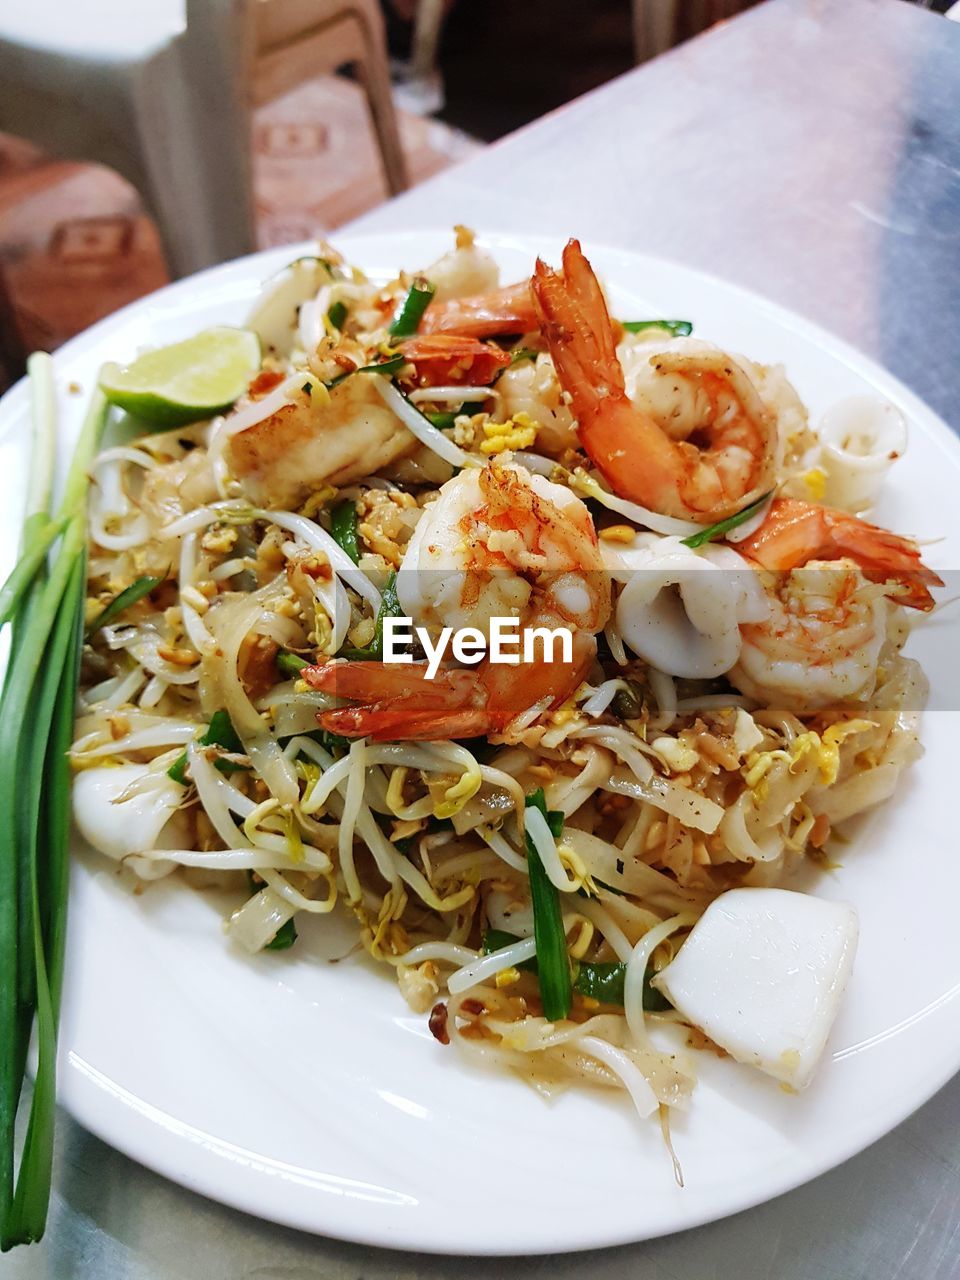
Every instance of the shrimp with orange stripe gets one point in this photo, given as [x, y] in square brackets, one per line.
[497, 542]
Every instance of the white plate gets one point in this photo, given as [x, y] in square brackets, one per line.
[307, 1093]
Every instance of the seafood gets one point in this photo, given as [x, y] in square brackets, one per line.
[821, 641]
[484, 315]
[315, 440]
[796, 532]
[440, 359]
[497, 542]
[729, 457]
[680, 609]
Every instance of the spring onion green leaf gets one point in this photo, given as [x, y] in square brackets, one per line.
[343, 527]
[290, 664]
[389, 608]
[26, 569]
[407, 320]
[220, 733]
[127, 597]
[337, 314]
[713, 531]
[553, 964]
[391, 366]
[679, 328]
[597, 980]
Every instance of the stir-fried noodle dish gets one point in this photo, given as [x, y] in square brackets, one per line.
[573, 841]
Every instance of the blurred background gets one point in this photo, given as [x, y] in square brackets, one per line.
[138, 143]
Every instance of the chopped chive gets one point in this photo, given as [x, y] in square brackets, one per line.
[444, 421]
[389, 608]
[127, 597]
[407, 320]
[285, 937]
[332, 742]
[391, 366]
[220, 733]
[337, 314]
[343, 527]
[679, 328]
[713, 531]
[290, 664]
[601, 981]
[553, 964]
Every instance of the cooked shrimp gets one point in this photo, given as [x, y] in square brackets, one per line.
[796, 532]
[729, 458]
[531, 387]
[821, 642]
[464, 271]
[441, 359]
[501, 311]
[497, 543]
[314, 441]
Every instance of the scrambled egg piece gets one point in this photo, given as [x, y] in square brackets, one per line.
[816, 483]
[518, 432]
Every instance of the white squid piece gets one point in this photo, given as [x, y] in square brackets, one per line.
[681, 609]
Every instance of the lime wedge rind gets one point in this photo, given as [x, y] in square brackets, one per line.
[186, 381]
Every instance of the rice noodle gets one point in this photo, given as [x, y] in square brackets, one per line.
[169, 733]
[620, 1063]
[318, 539]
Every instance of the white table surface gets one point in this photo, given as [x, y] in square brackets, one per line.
[810, 150]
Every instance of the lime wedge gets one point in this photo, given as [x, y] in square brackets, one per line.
[186, 381]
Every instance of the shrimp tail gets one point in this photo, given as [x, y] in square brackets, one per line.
[400, 702]
[796, 532]
[576, 325]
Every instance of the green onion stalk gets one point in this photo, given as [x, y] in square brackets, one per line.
[43, 601]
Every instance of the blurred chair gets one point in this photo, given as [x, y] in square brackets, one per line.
[163, 93]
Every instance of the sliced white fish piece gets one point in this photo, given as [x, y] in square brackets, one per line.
[762, 974]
